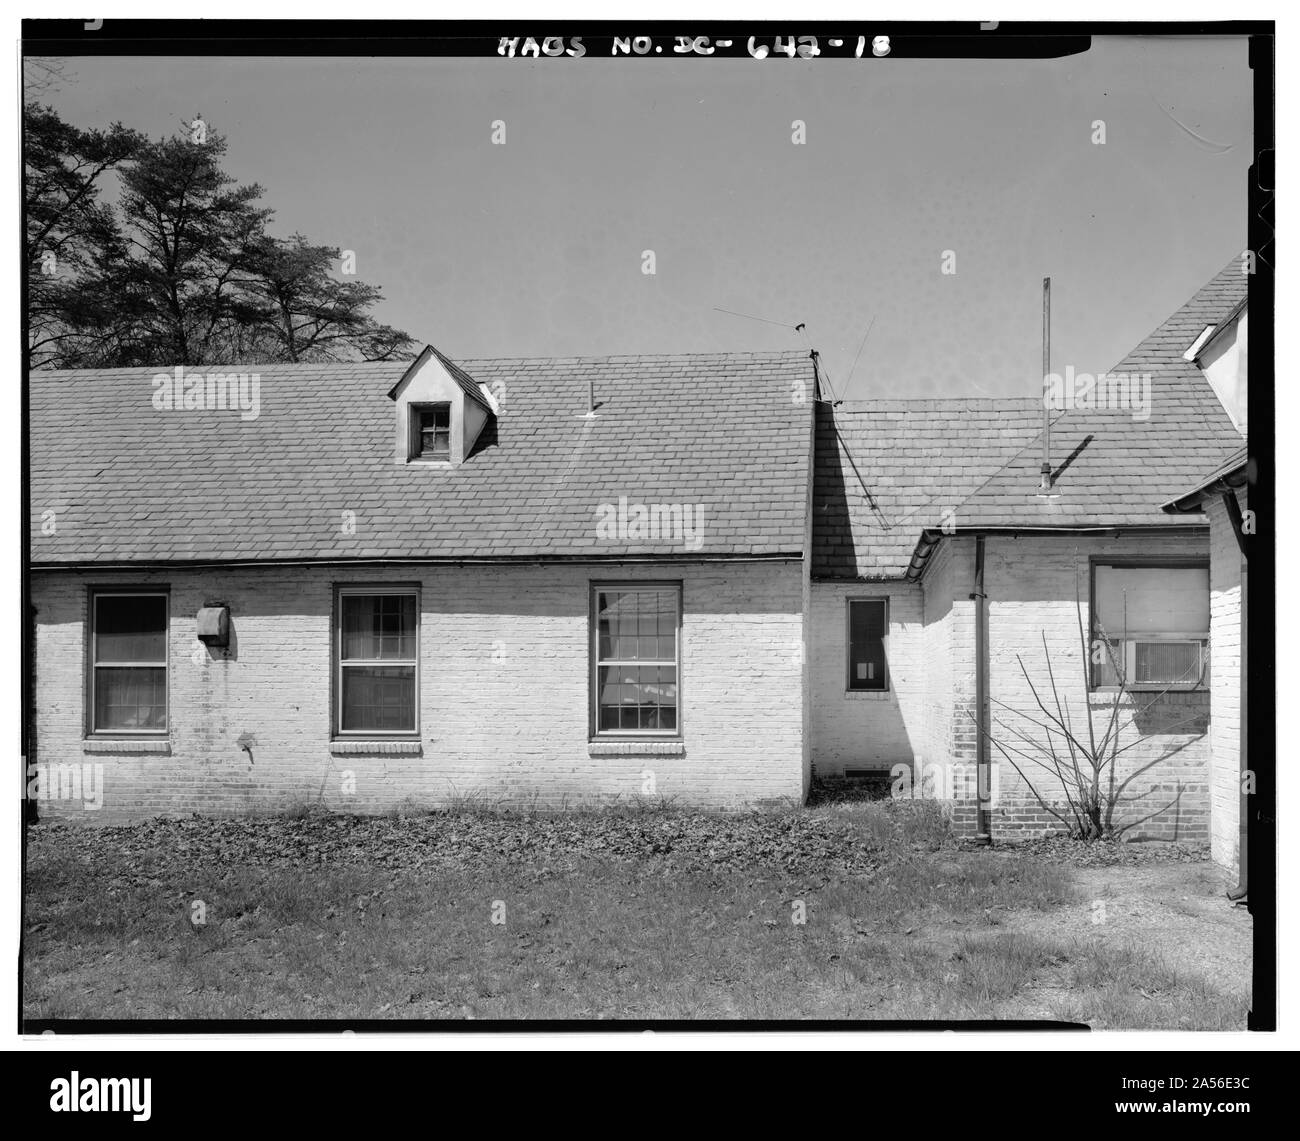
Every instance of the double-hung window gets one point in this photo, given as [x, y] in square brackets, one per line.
[128, 661]
[636, 660]
[1150, 625]
[868, 642]
[377, 660]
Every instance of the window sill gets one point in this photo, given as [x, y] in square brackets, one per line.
[126, 746]
[376, 748]
[1108, 692]
[636, 748]
[867, 694]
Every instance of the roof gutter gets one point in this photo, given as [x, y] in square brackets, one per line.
[1224, 484]
[931, 537]
[925, 547]
[503, 560]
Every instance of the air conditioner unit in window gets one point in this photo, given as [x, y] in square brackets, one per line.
[1165, 662]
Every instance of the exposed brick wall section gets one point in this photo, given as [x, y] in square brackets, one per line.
[1226, 569]
[1031, 583]
[949, 650]
[503, 692]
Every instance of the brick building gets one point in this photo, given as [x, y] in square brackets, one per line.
[596, 579]
[1222, 497]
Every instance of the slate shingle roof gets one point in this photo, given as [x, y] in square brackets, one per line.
[130, 483]
[980, 458]
[886, 469]
[1125, 469]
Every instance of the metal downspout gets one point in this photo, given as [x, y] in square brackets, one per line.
[982, 826]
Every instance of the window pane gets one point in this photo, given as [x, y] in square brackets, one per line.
[637, 697]
[867, 644]
[435, 430]
[637, 625]
[130, 697]
[1152, 600]
[665, 602]
[130, 628]
[378, 698]
[606, 624]
[1106, 671]
[612, 609]
[378, 627]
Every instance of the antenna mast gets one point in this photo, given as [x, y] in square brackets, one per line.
[1045, 478]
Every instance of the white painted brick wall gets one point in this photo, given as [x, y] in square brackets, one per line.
[1031, 583]
[865, 729]
[1225, 685]
[949, 648]
[511, 728]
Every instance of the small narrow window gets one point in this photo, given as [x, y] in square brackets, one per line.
[128, 662]
[635, 660]
[1150, 626]
[378, 649]
[432, 431]
[868, 643]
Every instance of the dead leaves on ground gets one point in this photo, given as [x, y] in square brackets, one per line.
[675, 840]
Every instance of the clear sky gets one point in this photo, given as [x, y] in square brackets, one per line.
[534, 248]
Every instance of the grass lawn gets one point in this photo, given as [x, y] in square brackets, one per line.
[859, 911]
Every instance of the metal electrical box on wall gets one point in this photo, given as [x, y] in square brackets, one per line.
[214, 625]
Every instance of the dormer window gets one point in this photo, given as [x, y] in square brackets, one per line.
[432, 431]
[440, 413]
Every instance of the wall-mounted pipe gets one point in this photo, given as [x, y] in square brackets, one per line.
[982, 728]
[1240, 893]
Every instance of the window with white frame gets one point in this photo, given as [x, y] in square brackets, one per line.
[128, 661]
[868, 641]
[1150, 625]
[377, 655]
[636, 659]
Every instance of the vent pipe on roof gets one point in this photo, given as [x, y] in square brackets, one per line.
[591, 397]
[1045, 476]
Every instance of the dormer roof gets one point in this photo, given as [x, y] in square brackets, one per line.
[464, 381]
